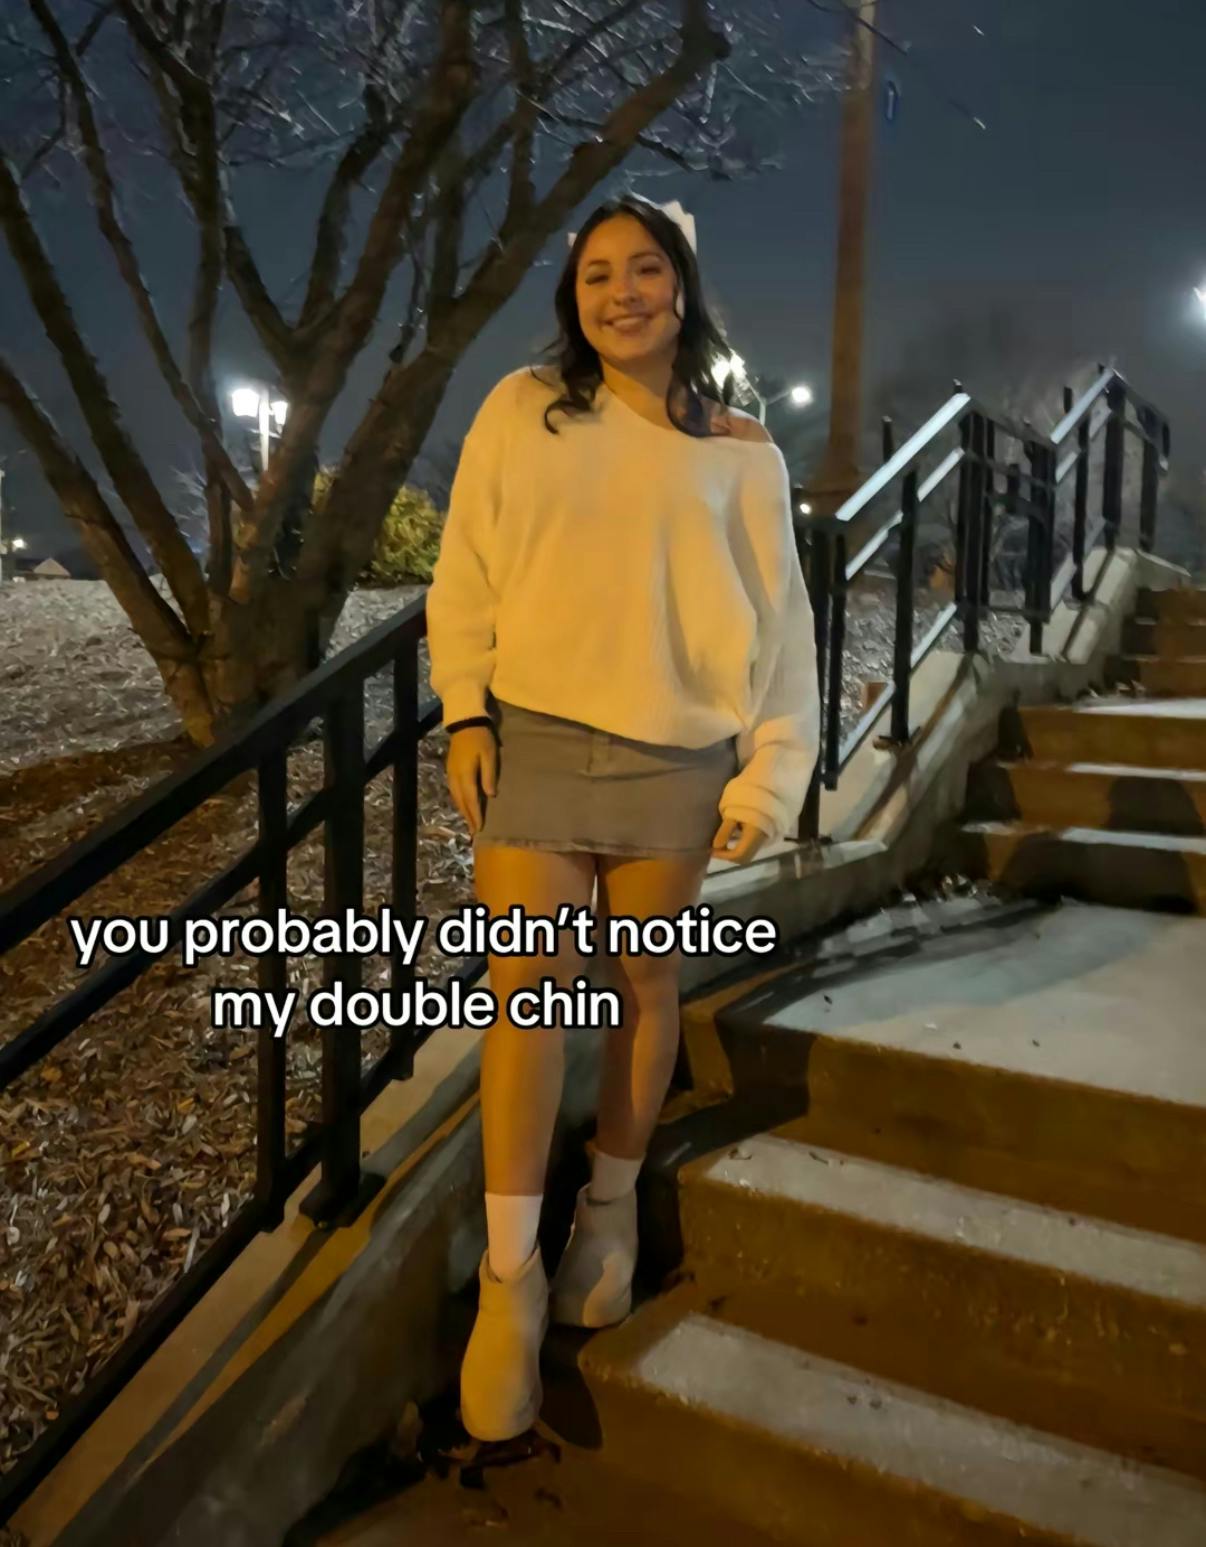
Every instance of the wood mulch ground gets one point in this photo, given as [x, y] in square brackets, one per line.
[125, 1151]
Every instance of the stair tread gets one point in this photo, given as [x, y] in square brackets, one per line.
[1167, 708]
[1120, 838]
[801, 1402]
[1084, 973]
[1103, 770]
[910, 1201]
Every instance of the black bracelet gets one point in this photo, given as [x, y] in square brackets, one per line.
[459, 725]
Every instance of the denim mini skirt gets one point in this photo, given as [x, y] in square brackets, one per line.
[565, 785]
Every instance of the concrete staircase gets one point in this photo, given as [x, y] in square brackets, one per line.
[1106, 799]
[930, 1243]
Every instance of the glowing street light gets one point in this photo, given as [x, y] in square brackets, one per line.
[1200, 292]
[246, 403]
[252, 403]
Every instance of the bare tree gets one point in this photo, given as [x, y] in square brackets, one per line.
[453, 138]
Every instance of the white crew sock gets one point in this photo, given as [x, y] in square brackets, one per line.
[611, 1177]
[512, 1220]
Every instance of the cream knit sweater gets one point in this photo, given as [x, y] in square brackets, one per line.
[635, 578]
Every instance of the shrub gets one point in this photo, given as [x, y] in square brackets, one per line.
[408, 543]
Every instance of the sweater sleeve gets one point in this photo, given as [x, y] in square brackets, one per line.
[461, 602]
[777, 753]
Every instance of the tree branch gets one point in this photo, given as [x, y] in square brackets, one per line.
[109, 219]
[192, 108]
[133, 482]
[329, 236]
[156, 624]
[379, 451]
[440, 110]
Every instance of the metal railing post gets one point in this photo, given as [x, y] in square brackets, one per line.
[962, 507]
[902, 662]
[1080, 515]
[405, 856]
[272, 976]
[1148, 485]
[837, 645]
[1049, 493]
[986, 519]
[1034, 547]
[973, 528]
[818, 574]
[342, 1188]
[1111, 484]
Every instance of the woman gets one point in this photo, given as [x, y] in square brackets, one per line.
[622, 642]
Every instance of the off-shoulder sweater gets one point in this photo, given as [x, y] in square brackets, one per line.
[634, 578]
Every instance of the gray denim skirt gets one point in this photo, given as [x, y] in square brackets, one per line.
[565, 785]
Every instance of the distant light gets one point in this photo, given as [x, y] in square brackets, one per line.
[734, 366]
[18, 542]
[805, 508]
[1201, 295]
[279, 409]
[801, 395]
[246, 402]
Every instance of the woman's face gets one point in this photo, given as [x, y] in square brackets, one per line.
[626, 288]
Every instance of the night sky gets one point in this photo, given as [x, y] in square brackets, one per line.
[1079, 211]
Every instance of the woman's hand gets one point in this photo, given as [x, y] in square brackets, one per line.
[472, 757]
[750, 839]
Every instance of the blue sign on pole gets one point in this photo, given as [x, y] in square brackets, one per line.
[891, 99]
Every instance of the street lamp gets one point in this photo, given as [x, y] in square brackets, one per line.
[264, 409]
[799, 394]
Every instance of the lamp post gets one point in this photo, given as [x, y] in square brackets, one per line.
[839, 475]
[735, 366]
[259, 405]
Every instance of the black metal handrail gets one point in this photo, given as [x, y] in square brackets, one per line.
[1029, 491]
[334, 695]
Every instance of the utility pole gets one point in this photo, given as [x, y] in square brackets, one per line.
[839, 475]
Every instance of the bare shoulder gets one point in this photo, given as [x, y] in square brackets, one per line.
[737, 423]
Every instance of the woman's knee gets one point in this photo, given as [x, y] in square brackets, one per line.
[538, 882]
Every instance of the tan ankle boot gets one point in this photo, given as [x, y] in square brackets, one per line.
[500, 1374]
[593, 1283]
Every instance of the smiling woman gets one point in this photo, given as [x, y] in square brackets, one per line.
[622, 642]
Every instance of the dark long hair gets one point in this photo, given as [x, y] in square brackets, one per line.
[701, 340]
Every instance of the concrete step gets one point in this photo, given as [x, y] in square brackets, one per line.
[1115, 796]
[1165, 676]
[1123, 869]
[1002, 1061]
[1145, 637]
[1139, 733]
[820, 1454]
[1184, 605]
[1073, 1324]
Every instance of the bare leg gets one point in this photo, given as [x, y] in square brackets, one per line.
[639, 1056]
[522, 1070]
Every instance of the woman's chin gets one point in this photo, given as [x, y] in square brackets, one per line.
[635, 353]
